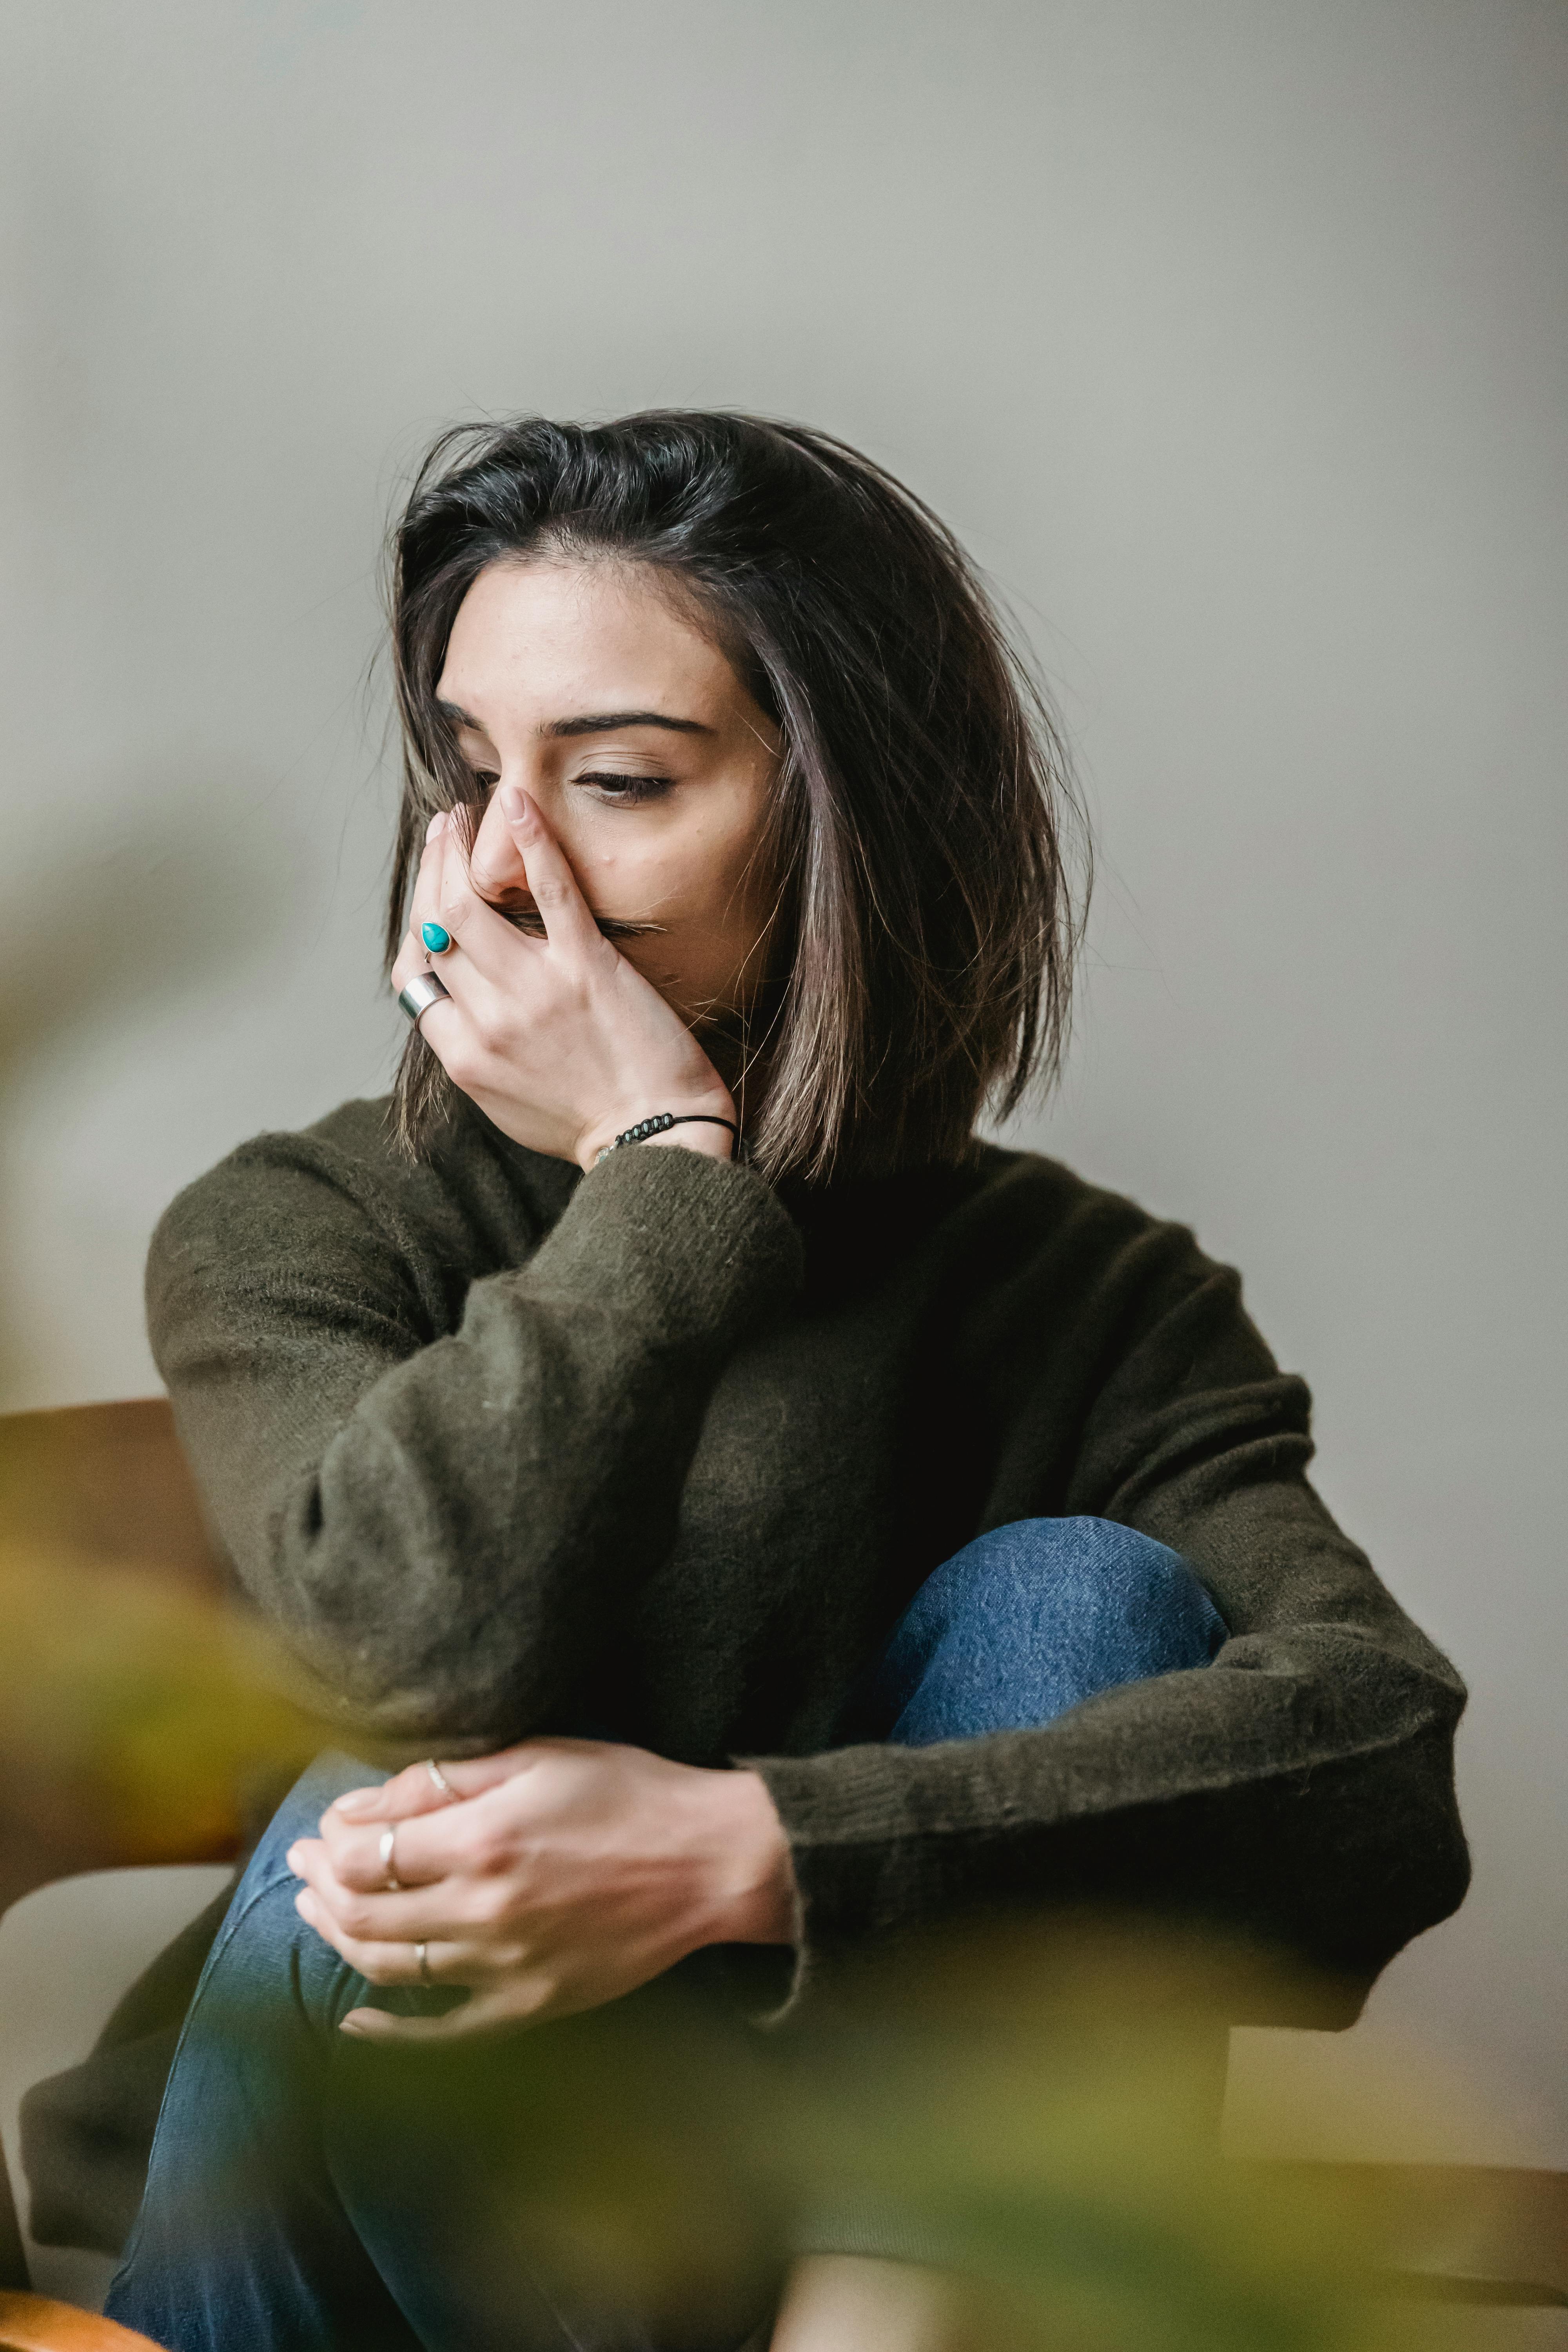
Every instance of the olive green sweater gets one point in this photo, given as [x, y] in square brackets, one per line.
[499, 1447]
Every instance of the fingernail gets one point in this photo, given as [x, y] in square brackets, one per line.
[292, 1859]
[355, 1801]
[348, 2026]
[515, 801]
[434, 827]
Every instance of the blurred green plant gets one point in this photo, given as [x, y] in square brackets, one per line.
[1029, 2105]
[138, 1723]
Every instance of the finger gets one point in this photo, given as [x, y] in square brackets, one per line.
[443, 897]
[417, 1790]
[429, 860]
[495, 863]
[354, 1854]
[388, 1963]
[516, 2003]
[414, 957]
[352, 1860]
[440, 1014]
[359, 1896]
[349, 1915]
[425, 900]
[568, 922]
[442, 1842]
[490, 945]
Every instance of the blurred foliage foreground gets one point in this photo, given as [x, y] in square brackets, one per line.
[1033, 2105]
[139, 1724]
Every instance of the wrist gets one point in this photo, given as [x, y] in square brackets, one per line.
[753, 1897]
[709, 1125]
[713, 1142]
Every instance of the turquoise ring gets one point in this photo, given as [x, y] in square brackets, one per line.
[437, 938]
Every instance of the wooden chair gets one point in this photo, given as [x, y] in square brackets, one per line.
[108, 1483]
[110, 1480]
[36, 2323]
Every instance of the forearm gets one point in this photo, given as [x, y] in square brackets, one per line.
[467, 1537]
[443, 1526]
[1294, 1798]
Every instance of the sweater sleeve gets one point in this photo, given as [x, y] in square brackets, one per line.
[435, 1488]
[1298, 1790]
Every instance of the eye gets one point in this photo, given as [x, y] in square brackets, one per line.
[613, 784]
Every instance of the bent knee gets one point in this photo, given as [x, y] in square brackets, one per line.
[1032, 1618]
[1099, 1581]
[1141, 1584]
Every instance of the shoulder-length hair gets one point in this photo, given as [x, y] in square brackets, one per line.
[924, 809]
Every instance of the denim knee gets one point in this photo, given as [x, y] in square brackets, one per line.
[263, 1945]
[1030, 1620]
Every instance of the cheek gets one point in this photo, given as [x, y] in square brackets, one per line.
[705, 954]
[619, 873]
[695, 883]
[728, 879]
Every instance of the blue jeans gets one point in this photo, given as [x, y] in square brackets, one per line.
[277, 2215]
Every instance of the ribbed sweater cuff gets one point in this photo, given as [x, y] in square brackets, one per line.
[853, 1821]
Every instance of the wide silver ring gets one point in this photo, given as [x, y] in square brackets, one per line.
[423, 990]
[388, 1860]
[425, 1975]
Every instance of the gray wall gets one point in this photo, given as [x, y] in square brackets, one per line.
[1231, 336]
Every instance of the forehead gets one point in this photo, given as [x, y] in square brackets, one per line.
[529, 637]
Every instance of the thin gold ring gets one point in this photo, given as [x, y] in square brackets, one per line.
[388, 1860]
[419, 1952]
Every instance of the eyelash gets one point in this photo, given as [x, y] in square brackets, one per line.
[629, 789]
[616, 783]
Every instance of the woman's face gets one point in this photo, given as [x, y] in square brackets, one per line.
[583, 683]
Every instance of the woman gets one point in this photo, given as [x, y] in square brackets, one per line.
[798, 1546]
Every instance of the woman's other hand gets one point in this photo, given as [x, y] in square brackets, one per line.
[568, 1873]
[559, 1040]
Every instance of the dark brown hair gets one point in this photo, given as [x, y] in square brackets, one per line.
[924, 806]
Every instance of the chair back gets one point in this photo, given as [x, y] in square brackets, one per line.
[110, 1480]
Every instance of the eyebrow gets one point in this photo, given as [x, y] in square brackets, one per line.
[593, 722]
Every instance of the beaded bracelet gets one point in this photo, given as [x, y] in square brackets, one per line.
[660, 1124]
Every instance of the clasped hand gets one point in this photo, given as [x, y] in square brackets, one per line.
[568, 1873]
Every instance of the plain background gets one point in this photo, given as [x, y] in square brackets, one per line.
[1230, 335]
